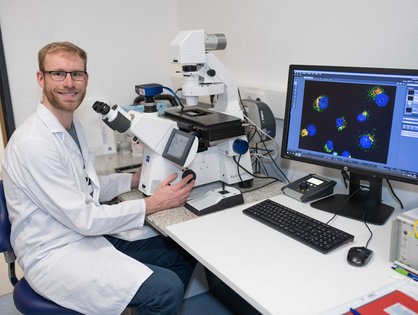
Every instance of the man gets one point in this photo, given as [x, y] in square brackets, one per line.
[72, 249]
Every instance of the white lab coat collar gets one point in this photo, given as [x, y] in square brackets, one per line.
[53, 124]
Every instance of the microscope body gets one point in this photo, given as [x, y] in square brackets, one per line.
[167, 150]
[204, 75]
[213, 145]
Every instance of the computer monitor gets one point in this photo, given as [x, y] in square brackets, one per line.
[360, 120]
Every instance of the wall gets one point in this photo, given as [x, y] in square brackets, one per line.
[126, 42]
[265, 36]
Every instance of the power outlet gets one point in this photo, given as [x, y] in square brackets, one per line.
[276, 100]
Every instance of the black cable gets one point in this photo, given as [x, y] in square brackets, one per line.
[345, 177]
[393, 193]
[364, 215]
[241, 103]
[239, 165]
[253, 134]
[260, 162]
[371, 233]
[348, 197]
[274, 179]
[256, 149]
[269, 183]
[257, 131]
[274, 162]
[239, 174]
[174, 94]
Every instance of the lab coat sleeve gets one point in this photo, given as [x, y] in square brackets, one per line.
[113, 185]
[54, 182]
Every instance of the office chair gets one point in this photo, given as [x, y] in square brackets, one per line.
[26, 300]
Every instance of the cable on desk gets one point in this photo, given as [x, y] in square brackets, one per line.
[348, 198]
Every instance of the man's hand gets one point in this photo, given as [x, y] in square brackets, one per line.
[168, 196]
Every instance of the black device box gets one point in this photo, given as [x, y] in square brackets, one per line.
[309, 188]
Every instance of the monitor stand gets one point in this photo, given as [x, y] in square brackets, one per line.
[363, 204]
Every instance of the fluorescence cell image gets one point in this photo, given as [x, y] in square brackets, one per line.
[381, 100]
[346, 154]
[378, 95]
[321, 103]
[367, 141]
[340, 123]
[310, 130]
[355, 117]
[363, 116]
[329, 146]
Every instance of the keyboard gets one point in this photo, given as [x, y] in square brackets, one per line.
[305, 229]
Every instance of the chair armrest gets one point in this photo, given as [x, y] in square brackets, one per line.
[10, 260]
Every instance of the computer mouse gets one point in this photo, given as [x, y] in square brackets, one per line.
[359, 256]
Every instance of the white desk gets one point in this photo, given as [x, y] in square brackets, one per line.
[277, 274]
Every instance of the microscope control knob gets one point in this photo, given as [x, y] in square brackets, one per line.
[187, 172]
[240, 146]
[189, 68]
[211, 72]
[303, 185]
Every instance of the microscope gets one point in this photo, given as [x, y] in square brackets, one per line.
[167, 149]
[206, 141]
[223, 146]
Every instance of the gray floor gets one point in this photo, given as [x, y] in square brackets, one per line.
[6, 305]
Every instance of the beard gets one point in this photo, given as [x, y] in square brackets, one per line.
[65, 99]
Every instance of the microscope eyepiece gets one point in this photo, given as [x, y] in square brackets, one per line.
[101, 108]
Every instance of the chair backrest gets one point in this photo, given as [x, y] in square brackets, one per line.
[5, 229]
[5, 225]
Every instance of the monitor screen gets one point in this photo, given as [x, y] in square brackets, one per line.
[361, 120]
[178, 147]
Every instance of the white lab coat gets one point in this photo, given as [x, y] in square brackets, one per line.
[57, 225]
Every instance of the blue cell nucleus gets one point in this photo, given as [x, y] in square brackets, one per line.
[361, 118]
[323, 102]
[340, 123]
[346, 154]
[311, 130]
[366, 142]
[329, 146]
[381, 100]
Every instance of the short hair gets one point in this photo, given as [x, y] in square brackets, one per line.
[60, 47]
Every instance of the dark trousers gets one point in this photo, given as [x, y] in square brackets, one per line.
[163, 291]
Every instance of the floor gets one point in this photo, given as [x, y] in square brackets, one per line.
[6, 305]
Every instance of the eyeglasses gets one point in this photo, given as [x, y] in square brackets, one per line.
[61, 75]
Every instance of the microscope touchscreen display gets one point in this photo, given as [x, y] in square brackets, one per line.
[178, 146]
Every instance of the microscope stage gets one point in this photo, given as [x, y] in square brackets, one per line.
[212, 125]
